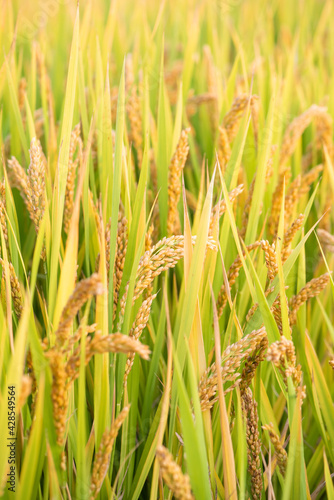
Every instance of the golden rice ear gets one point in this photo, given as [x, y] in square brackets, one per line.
[232, 276]
[232, 118]
[174, 182]
[326, 240]
[289, 236]
[224, 149]
[173, 476]
[75, 143]
[283, 355]
[246, 210]
[59, 393]
[162, 256]
[249, 409]
[102, 457]
[249, 346]
[311, 289]
[36, 183]
[121, 248]
[137, 328]
[219, 209]
[82, 292]
[270, 256]
[14, 287]
[280, 453]
[133, 109]
[296, 129]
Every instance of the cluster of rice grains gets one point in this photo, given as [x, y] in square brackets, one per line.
[64, 355]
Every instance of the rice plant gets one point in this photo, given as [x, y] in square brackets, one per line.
[167, 241]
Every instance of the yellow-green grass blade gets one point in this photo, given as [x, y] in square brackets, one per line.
[189, 302]
[14, 372]
[230, 485]
[61, 177]
[116, 184]
[241, 451]
[259, 187]
[278, 248]
[30, 120]
[101, 364]
[16, 112]
[192, 41]
[82, 463]
[294, 484]
[193, 432]
[322, 392]
[107, 149]
[166, 397]
[329, 480]
[34, 456]
[68, 271]
[147, 456]
[163, 152]
[134, 235]
[255, 321]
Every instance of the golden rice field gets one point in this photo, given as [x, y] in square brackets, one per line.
[167, 248]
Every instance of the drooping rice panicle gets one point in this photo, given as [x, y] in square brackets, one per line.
[73, 164]
[249, 409]
[219, 209]
[232, 276]
[212, 88]
[311, 289]
[232, 358]
[121, 248]
[224, 149]
[296, 129]
[59, 394]
[232, 118]
[102, 457]
[326, 240]
[14, 287]
[83, 291]
[282, 354]
[173, 476]
[270, 256]
[289, 236]
[246, 210]
[133, 109]
[280, 453]
[138, 326]
[174, 182]
[100, 344]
